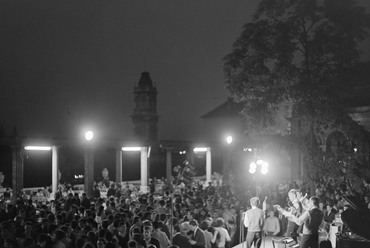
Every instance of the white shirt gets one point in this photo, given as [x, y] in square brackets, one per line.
[224, 237]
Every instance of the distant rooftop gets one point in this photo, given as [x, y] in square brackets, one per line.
[227, 109]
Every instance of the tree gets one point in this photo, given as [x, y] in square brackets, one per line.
[297, 57]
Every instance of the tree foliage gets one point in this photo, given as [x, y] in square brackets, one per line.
[296, 57]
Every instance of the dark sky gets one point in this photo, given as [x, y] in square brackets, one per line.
[67, 65]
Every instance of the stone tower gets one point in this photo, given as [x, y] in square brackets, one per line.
[145, 116]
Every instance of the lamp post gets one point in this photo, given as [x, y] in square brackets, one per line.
[228, 159]
[258, 165]
[89, 164]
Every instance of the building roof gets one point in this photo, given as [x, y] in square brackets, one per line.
[226, 110]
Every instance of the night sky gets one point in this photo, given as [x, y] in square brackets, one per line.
[69, 65]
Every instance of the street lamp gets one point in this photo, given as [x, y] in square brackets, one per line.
[229, 139]
[264, 166]
[89, 164]
[89, 135]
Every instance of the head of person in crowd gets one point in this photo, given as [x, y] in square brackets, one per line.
[338, 195]
[315, 201]
[292, 195]
[147, 232]
[220, 222]
[329, 205]
[255, 202]
[28, 228]
[190, 215]
[28, 242]
[321, 205]
[193, 225]
[100, 243]
[88, 245]
[10, 243]
[138, 238]
[132, 244]
[340, 209]
[176, 229]
[44, 240]
[185, 227]
[122, 228]
[299, 194]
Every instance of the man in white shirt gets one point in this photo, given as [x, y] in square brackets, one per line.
[254, 221]
[221, 235]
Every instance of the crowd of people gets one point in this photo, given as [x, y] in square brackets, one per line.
[189, 217]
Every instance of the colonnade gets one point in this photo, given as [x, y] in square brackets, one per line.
[18, 162]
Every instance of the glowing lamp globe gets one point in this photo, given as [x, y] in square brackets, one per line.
[264, 170]
[89, 135]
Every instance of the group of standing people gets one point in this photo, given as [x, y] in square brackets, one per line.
[304, 213]
[198, 220]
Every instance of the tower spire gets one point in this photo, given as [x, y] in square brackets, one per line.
[145, 116]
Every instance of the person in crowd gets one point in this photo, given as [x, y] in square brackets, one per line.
[254, 221]
[296, 209]
[159, 234]
[122, 234]
[148, 239]
[272, 224]
[208, 235]
[197, 239]
[180, 238]
[311, 221]
[111, 190]
[329, 215]
[221, 235]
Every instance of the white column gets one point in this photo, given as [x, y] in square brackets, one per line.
[54, 171]
[208, 166]
[169, 163]
[119, 165]
[144, 170]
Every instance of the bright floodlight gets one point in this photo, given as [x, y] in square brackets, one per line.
[264, 170]
[253, 166]
[259, 162]
[229, 139]
[200, 149]
[89, 135]
[37, 148]
[265, 165]
[131, 148]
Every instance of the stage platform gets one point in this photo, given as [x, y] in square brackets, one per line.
[267, 243]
